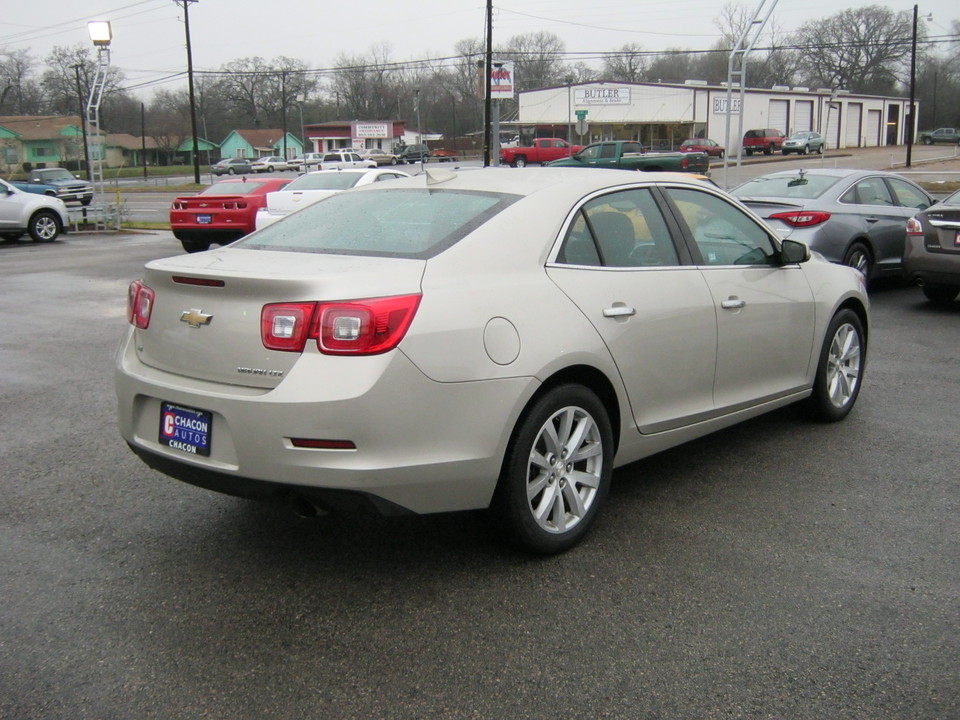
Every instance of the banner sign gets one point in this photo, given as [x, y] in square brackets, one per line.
[501, 81]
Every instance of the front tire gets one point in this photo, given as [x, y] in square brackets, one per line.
[557, 470]
[44, 227]
[840, 371]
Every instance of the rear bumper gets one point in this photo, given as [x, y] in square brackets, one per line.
[421, 446]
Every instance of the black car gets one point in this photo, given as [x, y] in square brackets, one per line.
[232, 166]
[418, 152]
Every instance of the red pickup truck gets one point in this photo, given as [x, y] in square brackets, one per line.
[542, 151]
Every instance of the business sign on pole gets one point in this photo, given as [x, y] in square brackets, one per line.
[501, 81]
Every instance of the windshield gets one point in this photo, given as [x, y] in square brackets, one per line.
[231, 188]
[800, 135]
[417, 223]
[951, 199]
[57, 174]
[325, 181]
[800, 185]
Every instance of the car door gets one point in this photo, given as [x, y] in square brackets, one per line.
[10, 208]
[765, 311]
[884, 216]
[620, 265]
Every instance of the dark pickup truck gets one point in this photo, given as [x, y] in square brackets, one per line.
[58, 183]
[940, 135]
[629, 155]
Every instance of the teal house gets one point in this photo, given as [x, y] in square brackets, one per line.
[260, 143]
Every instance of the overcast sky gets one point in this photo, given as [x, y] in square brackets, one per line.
[149, 40]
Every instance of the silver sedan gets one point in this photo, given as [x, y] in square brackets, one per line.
[480, 339]
[855, 217]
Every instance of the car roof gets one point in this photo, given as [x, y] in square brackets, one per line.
[578, 181]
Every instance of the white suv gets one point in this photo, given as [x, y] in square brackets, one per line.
[21, 212]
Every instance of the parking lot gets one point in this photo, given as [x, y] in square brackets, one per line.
[779, 569]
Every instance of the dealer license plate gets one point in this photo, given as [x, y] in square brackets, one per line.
[204, 219]
[186, 429]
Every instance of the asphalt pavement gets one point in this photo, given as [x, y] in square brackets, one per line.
[780, 569]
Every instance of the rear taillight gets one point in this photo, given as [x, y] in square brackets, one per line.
[364, 327]
[802, 218]
[356, 327]
[139, 304]
[914, 227]
[286, 326]
[238, 205]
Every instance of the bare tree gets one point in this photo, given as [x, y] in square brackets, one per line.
[367, 86]
[19, 93]
[628, 64]
[863, 50]
[59, 81]
[538, 59]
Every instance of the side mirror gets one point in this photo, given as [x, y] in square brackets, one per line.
[793, 252]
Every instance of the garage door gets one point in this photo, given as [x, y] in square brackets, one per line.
[778, 112]
[854, 120]
[803, 115]
[872, 134]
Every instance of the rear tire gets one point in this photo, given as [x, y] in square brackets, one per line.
[195, 246]
[557, 471]
[859, 257]
[941, 294]
[840, 371]
[520, 161]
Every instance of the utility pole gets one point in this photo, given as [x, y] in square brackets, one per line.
[193, 102]
[83, 123]
[488, 67]
[913, 82]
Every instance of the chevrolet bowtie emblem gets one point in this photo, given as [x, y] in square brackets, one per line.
[195, 318]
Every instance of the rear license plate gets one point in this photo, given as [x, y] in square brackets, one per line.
[186, 429]
[204, 219]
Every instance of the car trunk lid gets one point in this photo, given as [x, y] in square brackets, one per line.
[205, 322]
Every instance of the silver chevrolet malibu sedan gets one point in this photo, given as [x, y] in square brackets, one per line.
[480, 339]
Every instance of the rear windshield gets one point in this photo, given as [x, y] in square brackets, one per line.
[325, 181]
[231, 188]
[414, 223]
[786, 186]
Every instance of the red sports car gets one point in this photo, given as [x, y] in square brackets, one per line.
[710, 147]
[221, 213]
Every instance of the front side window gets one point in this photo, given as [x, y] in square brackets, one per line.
[908, 195]
[622, 229]
[723, 233]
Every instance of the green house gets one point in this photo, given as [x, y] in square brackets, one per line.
[259, 143]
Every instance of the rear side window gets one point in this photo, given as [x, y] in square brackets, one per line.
[622, 229]
[415, 223]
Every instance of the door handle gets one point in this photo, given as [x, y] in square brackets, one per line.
[872, 219]
[619, 311]
[733, 303]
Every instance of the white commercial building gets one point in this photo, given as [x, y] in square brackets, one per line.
[662, 116]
